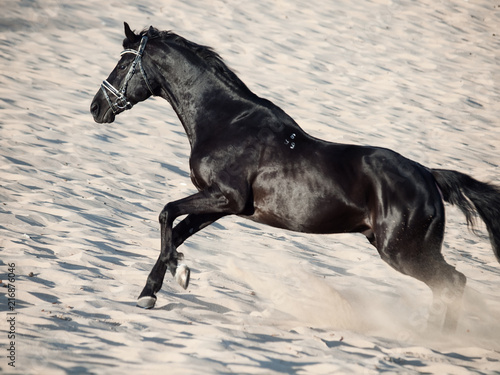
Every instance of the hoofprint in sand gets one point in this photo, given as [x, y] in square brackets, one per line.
[79, 202]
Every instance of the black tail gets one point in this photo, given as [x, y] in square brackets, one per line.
[473, 196]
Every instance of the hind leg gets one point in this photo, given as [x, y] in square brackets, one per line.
[447, 286]
[414, 249]
[447, 296]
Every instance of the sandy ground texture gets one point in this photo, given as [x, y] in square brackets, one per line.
[79, 201]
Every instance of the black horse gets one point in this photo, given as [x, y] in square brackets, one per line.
[249, 158]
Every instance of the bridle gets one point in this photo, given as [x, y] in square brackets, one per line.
[122, 102]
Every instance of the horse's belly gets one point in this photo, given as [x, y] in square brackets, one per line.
[308, 215]
[305, 196]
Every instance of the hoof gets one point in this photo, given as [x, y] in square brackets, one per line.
[146, 302]
[182, 274]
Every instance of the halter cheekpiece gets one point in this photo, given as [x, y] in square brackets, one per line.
[122, 102]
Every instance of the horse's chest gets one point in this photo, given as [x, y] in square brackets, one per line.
[223, 167]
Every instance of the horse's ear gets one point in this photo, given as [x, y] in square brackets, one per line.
[151, 32]
[129, 33]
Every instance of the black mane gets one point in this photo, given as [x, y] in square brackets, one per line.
[206, 53]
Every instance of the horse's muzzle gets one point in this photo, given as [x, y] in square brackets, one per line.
[101, 115]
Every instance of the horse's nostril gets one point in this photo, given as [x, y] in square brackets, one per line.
[94, 109]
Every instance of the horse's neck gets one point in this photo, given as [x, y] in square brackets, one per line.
[204, 102]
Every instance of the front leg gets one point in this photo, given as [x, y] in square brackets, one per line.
[203, 209]
[182, 231]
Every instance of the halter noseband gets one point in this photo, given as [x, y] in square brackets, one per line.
[122, 102]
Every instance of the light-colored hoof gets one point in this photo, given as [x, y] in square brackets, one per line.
[182, 274]
[146, 302]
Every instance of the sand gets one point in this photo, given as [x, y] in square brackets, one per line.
[79, 201]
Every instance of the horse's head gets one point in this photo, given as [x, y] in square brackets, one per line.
[128, 83]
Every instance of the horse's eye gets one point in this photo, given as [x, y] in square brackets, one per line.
[122, 67]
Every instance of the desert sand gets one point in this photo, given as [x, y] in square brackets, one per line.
[79, 201]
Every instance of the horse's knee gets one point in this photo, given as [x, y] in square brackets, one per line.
[163, 217]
